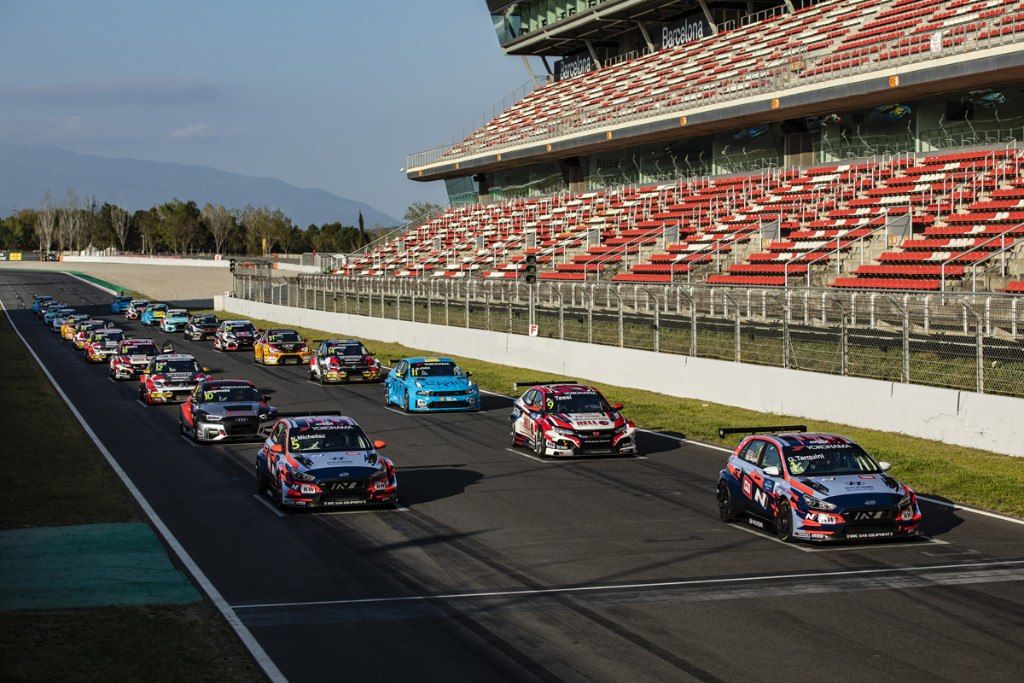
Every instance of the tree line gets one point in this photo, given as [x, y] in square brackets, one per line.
[174, 227]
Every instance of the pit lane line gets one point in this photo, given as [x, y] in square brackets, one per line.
[256, 650]
[563, 590]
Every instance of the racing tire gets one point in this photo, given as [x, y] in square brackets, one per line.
[727, 508]
[512, 440]
[539, 449]
[784, 523]
[387, 396]
[405, 402]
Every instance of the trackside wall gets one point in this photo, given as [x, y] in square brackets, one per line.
[958, 417]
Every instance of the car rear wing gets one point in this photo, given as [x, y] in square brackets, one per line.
[310, 413]
[544, 382]
[723, 431]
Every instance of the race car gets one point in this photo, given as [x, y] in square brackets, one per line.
[429, 385]
[48, 306]
[324, 460]
[70, 326]
[817, 487]
[201, 326]
[153, 314]
[102, 344]
[565, 419]
[86, 328]
[226, 410]
[120, 304]
[135, 309]
[280, 347]
[337, 360]
[174, 320]
[170, 377]
[59, 318]
[54, 312]
[234, 335]
[131, 357]
[39, 302]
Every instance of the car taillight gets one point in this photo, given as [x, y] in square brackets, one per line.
[334, 362]
[369, 360]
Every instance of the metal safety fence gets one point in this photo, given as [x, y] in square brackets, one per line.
[971, 342]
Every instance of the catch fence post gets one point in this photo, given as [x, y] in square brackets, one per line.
[844, 346]
[906, 340]
[466, 292]
[618, 295]
[979, 342]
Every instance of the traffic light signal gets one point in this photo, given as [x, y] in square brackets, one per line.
[530, 272]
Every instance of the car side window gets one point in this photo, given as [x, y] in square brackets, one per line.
[400, 370]
[752, 453]
[530, 397]
[770, 457]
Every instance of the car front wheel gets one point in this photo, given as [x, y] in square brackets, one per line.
[784, 523]
[539, 448]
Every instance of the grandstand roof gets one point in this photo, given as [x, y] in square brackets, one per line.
[604, 21]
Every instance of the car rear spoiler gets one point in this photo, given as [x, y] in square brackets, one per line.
[544, 382]
[722, 431]
[311, 413]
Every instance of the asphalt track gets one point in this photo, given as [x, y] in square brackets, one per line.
[500, 566]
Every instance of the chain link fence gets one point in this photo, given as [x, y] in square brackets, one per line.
[971, 342]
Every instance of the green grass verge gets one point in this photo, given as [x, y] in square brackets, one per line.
[44, 441]
[965, 475]
[155, 643]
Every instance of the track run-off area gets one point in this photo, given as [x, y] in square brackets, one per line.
[500, 565]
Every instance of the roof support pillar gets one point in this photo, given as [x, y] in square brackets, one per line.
[529, 70]
[707, 15]
[647, 36]
[593, 53]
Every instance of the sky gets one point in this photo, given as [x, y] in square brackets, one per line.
[330, 94]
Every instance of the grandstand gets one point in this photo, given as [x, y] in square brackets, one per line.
[853, 144]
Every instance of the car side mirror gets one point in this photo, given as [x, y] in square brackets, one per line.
[109, 325]
[616, 406]
[378, 444]
[772, 471]
[532, 408]
[469, 374]
[206, 369]
[884, 466]
[265, 397]
[276, 448]
[168, 347]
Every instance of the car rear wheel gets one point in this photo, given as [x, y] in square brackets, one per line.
[784, 523]
[727, 508]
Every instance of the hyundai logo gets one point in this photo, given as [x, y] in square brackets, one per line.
[869, 502]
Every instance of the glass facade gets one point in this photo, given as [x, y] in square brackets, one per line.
[985, 116]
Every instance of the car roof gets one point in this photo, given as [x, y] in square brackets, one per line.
[178, 310]
[314, 420]
[428, 359]
[111, 330]
[227, 383]
[138, 341]
[568, 388]
[799, 439]
[342, 342]
[280, 329]
[237, 322]
[174, 356]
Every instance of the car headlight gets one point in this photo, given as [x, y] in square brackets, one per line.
[300, 476]
[562, 430]
[212, 418]
[816, 504]
[419, 385]
[423, 393]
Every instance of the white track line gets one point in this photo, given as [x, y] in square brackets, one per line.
[268, 504]
[255, 649]
[532, 457]
[636, 586]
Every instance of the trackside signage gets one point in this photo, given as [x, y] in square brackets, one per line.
[574, 66]
[687, 30]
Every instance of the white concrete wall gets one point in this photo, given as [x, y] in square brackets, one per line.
[980, 420]
[149, 260]
[172, 261]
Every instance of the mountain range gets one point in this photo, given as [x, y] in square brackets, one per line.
[28, 171]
